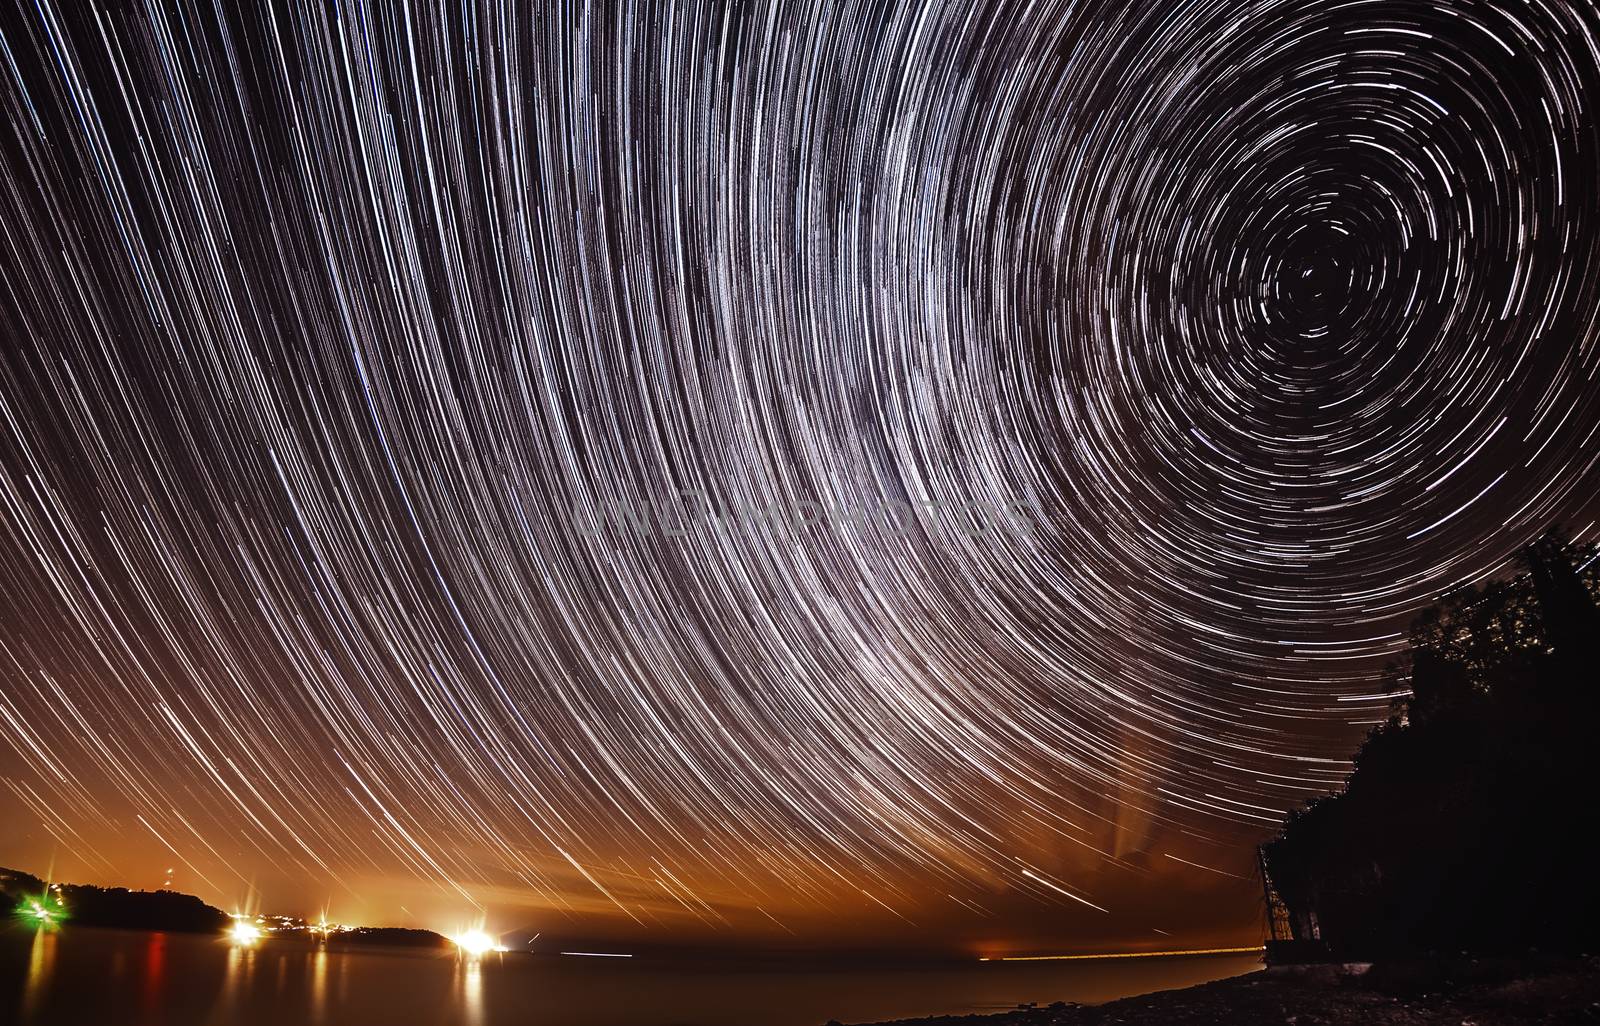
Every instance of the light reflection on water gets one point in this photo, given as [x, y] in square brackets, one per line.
[471, 970]
[41, 959]
[81, 976]
[319, 987]
[155, 966]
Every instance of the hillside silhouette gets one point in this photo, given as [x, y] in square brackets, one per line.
[87, 905]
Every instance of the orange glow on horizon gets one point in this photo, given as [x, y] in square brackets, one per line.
[1125, 954]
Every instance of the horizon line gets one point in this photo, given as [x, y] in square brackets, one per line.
[1125, 954]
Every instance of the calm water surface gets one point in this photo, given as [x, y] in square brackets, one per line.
[77, 977]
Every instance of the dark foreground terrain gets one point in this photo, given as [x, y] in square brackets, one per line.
[1483, 993]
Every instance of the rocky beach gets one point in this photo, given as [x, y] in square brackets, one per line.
[1468, 993]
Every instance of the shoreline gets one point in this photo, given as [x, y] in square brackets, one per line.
[1483, 992]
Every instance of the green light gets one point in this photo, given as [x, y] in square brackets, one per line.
[44, 911]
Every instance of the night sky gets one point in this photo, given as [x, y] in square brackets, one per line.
[790, 474]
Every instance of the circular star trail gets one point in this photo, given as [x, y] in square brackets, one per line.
[352, 351]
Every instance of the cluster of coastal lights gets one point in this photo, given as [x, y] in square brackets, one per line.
[247, 929]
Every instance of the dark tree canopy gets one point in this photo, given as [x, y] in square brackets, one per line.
[1465, 824]
[87, 905]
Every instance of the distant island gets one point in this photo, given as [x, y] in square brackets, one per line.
[26, 897]
[390, 936]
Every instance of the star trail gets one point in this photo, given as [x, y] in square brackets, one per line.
[351, 351]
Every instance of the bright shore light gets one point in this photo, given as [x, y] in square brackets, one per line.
[476, 942]
[243, 932]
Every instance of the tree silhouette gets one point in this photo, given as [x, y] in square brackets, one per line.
[1464, 824]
